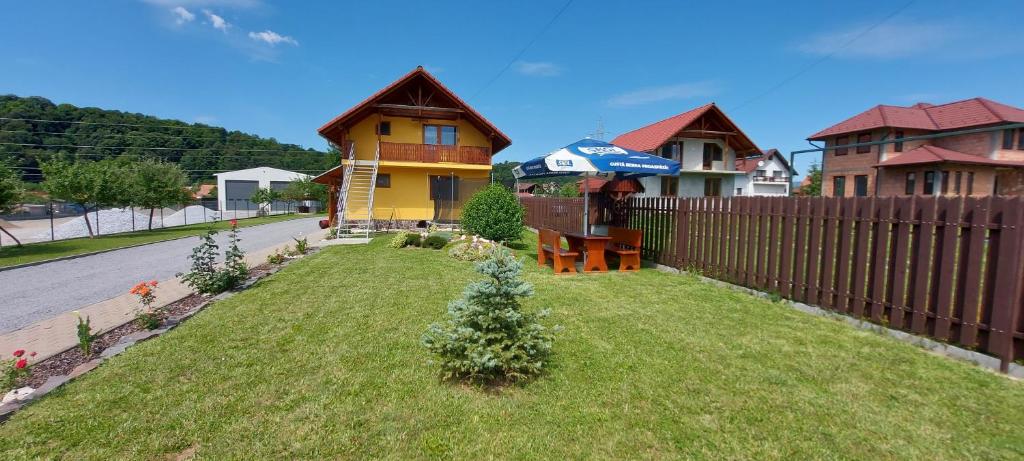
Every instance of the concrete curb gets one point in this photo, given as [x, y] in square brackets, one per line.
[91, 253]
[948, 350]
[55, 382]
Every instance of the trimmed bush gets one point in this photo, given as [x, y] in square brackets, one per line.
[413, 240]
[487, 337]
[399, 240]
[494, 213]
[435, 242]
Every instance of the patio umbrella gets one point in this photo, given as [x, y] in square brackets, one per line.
[590, 157]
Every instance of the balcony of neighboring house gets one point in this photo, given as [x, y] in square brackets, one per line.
[434, 153]
[775, 177]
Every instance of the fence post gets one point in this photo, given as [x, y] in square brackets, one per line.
[1009, 278]
[52, 211]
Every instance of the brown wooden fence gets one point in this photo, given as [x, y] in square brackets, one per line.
[947, 267]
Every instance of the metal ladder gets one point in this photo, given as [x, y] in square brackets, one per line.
[355, 208]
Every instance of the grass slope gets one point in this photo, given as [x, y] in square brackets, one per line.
[322, 361]
[34, 252]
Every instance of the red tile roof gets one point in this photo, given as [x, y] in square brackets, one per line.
[594, 184]
[749, 164]
[499, 142]
[932, 154]
[955, 115]
[652, 136]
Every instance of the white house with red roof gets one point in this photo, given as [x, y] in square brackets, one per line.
[768, 174]
[705, 142]
[952, 163]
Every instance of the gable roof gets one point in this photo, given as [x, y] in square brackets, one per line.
[750, 163]
[955, 115]
[333, 129]
[652, 136]
[933, 154]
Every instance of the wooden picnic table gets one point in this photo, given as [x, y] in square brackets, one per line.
[592, 246]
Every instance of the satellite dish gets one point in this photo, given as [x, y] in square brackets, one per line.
[760, 163]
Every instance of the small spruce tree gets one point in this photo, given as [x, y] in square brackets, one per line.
[487, 337]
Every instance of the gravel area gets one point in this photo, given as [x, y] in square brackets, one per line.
[34, 293]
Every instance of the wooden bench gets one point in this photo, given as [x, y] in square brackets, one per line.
[549, 242]
[626, 243]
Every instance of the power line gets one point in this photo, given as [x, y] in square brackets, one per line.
[823, 58]
[137, 125]
[279, 151]
[522, 51]
[117, 135]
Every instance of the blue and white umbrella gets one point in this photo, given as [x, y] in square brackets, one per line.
[590, 157]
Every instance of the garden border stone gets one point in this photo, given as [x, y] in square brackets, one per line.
[55, 382]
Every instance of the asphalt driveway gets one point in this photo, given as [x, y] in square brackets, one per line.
[31, 294]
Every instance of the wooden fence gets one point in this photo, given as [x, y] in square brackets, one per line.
[951, 268]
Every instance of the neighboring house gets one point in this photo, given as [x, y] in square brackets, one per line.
[983, 163]
[234, 188]
[203, 191]
[768, 174]
[704, 141]
[413, 152]
[526, 189]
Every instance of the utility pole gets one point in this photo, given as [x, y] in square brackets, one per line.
[599, 132]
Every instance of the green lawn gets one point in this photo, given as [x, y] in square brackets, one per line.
[323, 360]
[33, 252]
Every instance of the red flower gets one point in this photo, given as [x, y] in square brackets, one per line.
[234, 222]
[21, 364]
[19, 352]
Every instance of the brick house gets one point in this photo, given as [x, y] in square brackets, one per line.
[985, 163]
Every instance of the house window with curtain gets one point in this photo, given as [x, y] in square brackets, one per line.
[911, 183]
[863, 137]
[1007, 139]
[860, 185]
[839, 186]
[929, 182]
[841, 141]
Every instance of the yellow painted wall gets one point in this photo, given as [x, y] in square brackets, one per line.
[407, 130]
[408, 198]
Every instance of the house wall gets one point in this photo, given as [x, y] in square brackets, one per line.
[408, 198]
[407, 130]
[892, 181]
[851, 164]
[1014, 153]
[262, 175]
[751, 188]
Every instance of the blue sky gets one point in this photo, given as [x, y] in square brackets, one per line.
[281, 69]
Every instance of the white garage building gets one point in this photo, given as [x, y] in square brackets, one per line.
[234, 188]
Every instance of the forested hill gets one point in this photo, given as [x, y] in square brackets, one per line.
[28, 137]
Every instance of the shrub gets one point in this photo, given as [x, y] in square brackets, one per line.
[301, 245]
[413, 239]
[435, 242]
[204, 276]
[399, 240]
[147, 317]
[16, 368]
[494, 213]
[276, 257]
[235, 269]
[472, 248]
[487, 337]
[85, 335]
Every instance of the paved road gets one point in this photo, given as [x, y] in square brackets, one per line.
[35, 293]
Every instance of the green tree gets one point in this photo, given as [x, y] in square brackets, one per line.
[501, 172]
[305, 189]
[156, 184]
[265, 197]
[813, 188]
[569, 189]
[90, 185]
[494, 213]
[487, 336]
[12, 193]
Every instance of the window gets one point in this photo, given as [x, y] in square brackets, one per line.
[929, 182]
[712, 187]
[898, 147]
[712, 153]
[911, 183]
[665, 151]
[1007, 139]
[384, 128]
[759, 175]
[445, 135]
[671, 150]
[444, 188]
[945, 182]
[970, 182]
[739, 191]
[383, 180]
[1020, 139]
[669, 186]
[860, 185]
[956, 182]
[995, 184]
[863, 137]
[777, 174]
[838, 186]
[840, 141]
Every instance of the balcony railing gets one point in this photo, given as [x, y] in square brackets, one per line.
[782, 179]
[430, 153]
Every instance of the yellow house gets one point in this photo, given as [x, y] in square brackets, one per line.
[411, 153]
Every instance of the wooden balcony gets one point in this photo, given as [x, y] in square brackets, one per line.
[429, 153]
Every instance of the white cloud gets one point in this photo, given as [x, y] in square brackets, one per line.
[206, 3]
[886, 41]
[538, 69]
[665, 93]
[272, 38]
[217, 21]
[182, 15]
